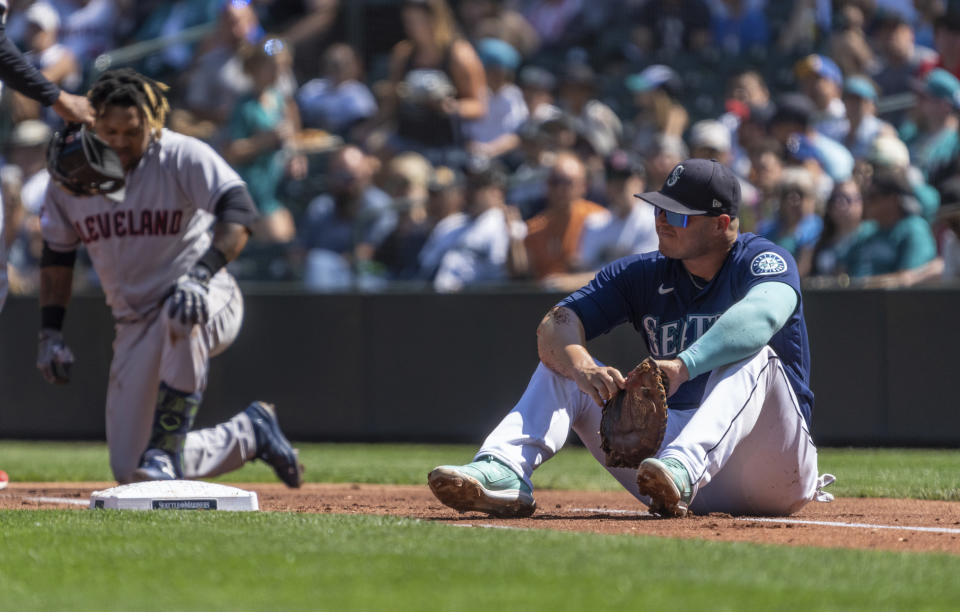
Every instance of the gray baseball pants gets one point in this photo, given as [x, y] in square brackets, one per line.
[152, 350]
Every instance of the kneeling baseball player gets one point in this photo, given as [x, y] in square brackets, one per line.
[722, 317]
[142, 200]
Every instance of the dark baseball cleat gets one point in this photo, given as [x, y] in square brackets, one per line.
[486, 485]
[667, 484]
[156, 465]
[273, 447]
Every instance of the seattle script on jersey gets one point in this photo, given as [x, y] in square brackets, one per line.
[666, 340]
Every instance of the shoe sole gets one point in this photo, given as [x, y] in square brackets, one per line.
[656, 483]
[298, 477]
[141, 476]
[465, 494]
[274, 424]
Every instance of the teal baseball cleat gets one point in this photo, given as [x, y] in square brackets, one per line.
[667, 484]
[486, 485]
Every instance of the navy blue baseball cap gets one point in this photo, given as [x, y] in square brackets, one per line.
[698, 187]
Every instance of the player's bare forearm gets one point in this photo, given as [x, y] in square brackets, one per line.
[675, 371]
[56, 283]
[230, 238]
[74, 108]
[560, 341]
[560, 344]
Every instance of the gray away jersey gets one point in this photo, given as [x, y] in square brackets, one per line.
[140, 246]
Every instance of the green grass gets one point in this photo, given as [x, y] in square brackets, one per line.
[106, 560]
[365, 463]
[909, 473]
[921, 474]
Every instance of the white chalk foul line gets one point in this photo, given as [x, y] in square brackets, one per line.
[794, 521]
[854, 525]
[59, 500]
[612, 511]
[482, 526]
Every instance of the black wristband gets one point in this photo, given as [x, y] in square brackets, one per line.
[51, 317]
[213, 260]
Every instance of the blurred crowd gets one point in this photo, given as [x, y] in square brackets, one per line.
[469, 143]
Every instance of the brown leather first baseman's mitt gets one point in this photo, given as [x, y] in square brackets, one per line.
[635, 419]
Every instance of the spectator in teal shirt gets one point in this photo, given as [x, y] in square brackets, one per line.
[902, 246]
[890, 152]
[262, 131]
[931, 135]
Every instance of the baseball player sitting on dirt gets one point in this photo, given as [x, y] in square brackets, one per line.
[721, 314]
[164, 278]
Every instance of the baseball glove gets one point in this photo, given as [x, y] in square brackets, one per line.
[635, 419]
[83, 164]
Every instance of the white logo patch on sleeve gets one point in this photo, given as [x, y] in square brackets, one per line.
[768, 263]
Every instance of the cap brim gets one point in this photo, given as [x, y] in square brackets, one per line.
[667, 203]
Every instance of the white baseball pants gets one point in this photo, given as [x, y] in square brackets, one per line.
[152, 350]
[747, 448]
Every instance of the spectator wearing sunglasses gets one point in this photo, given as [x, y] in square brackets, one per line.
[553, 236]
[843, 226]
[625, 228]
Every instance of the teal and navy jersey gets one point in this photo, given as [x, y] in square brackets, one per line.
[658, 297]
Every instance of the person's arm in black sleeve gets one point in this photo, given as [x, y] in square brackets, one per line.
[17, 73]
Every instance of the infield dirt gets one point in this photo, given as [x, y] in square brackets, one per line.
[885, 523]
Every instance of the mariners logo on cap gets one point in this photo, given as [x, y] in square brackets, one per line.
[768, 263]
[675, 175]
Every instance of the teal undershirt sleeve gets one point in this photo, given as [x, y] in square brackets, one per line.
[744, 329]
